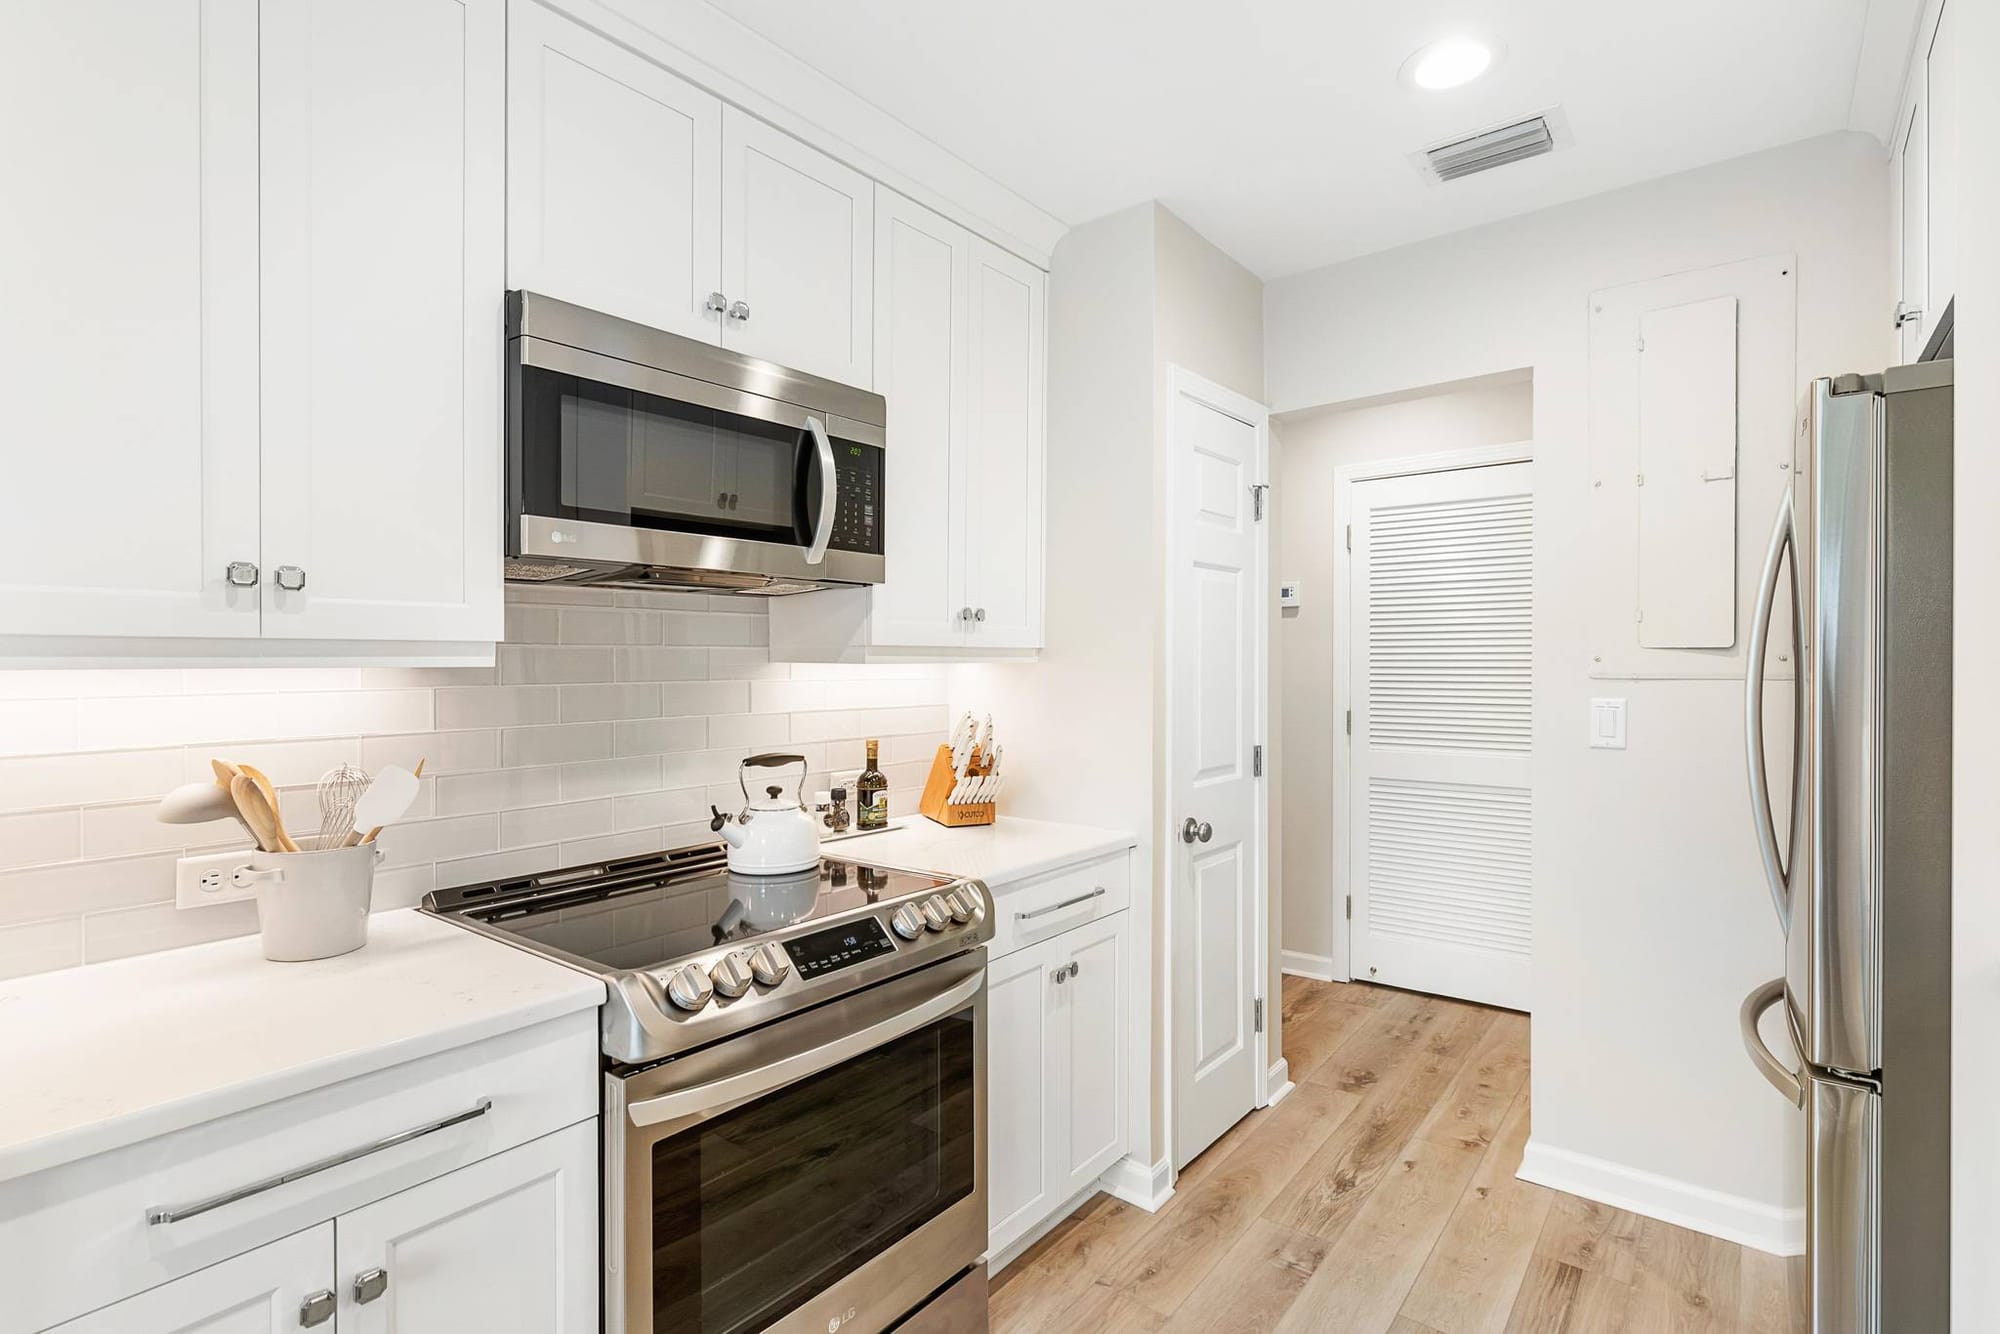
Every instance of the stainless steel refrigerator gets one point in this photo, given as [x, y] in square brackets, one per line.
[1861, 559]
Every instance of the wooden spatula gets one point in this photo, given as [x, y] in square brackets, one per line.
[269, 792]
[257, 813]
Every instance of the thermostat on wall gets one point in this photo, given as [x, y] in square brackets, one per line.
[1288, 593]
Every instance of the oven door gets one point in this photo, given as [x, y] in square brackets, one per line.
[825, 1172]
[617, 463]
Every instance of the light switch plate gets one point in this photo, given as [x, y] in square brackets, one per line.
[203, 880]
[1607, 724]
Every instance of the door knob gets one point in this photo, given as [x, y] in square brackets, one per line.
[370, 1284]
[1196, 831]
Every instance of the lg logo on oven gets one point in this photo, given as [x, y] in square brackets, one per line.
[834, 1322]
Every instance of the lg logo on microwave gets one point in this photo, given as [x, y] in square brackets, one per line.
[835, 1321]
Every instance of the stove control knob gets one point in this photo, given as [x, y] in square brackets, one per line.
[689, 988]
[731, 975]
[770, 963]
[936, 916]
[958, 905]
[909, 923]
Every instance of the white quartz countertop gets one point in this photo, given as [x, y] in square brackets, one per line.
[95, 1058]
[999, 853]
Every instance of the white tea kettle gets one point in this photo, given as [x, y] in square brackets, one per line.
[775, 834]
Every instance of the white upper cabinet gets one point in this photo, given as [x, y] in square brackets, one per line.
[383, 207]
[128, 255]
[798, 247]
[614, 178]
[1003, 495]
[1923, 174]
[959, 356]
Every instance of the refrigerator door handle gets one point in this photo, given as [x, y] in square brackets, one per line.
[1783, 1078]
[1776, 873]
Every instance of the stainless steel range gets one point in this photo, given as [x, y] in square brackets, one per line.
[794, 1087]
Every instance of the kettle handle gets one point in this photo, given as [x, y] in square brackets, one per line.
[771, 760]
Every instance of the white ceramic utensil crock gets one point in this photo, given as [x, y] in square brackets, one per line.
[311, 905]
[775, 834]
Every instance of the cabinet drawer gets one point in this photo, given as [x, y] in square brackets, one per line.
[1033, 910]
[79, 1236]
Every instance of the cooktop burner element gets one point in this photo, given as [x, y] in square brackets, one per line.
[691, 952]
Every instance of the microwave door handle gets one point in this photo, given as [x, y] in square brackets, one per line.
[828, 491]
[1776, 874]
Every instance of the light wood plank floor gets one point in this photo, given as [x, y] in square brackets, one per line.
[1379, 1198]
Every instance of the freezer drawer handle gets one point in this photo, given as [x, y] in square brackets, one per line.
[186, 1211]
[1781, 1076]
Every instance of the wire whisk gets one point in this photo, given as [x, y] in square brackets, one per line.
[339, 789]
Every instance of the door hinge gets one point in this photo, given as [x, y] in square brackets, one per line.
[1257, 500]
[1256, 761]
[1350, 907]
[1260, 1013]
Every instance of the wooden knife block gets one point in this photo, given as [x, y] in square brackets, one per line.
[939, 785]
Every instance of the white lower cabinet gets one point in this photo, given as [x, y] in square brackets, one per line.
[281, 1286]
[1057, 1055]
[505, 1246]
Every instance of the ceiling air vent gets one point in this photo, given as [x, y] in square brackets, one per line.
[1495, 148]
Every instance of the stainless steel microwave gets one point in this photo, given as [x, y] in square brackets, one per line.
[637, 458]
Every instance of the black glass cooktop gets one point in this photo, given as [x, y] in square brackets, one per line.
[640, 912]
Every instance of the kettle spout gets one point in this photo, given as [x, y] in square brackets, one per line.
[731, 832]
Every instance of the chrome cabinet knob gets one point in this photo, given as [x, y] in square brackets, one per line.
[1196, 831]
[769, 963]
[689, 988]
[908, 922]
[370, 1284]
[979, 614]
[716, 303]
[739, 311]
[241, 573]
[936, 916]
[317, 1308]
[291, 578]
[965, 613]
[731, 976]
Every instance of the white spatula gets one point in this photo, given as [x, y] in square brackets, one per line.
[385, 801]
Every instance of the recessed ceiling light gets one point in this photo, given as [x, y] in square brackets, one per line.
[1448, 63]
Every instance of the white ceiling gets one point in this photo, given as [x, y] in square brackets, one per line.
[1279, 129]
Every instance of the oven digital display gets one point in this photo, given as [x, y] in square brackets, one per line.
[839, 947]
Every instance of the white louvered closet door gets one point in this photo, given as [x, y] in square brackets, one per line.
[1440, 655]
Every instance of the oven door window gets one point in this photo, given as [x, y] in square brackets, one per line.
[759, 1209]
[601, 453]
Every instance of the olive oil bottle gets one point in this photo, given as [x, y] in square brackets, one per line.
[871, 792]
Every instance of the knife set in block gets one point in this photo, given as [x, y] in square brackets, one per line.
[964, 784]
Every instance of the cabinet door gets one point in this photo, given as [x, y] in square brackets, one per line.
[1091, 1084]
[128, 249]
[798, 246]
[614, 177]
[383, 216]
[1941, 162]
[1021, 1156]
[259, 1292]
[507, 1245]
[922, 285]
[1003, 474]
[1910, 173]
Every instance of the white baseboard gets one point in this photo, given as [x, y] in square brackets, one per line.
[1278, 1082]
[1318, 967]
[1765, 1227]
[1147, 1185]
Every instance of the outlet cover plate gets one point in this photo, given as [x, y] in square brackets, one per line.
[203, 880]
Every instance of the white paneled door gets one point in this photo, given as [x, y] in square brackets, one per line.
[1216, 674]
[1440, 648]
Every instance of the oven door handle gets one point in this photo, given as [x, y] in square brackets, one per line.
[829, 491]
[791, 1068]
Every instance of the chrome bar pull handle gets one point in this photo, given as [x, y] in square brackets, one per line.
[1099, 892]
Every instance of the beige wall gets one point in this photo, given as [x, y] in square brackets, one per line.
[1313, 446]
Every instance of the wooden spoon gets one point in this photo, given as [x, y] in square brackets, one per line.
[255, 812]
[269, 792]
[225, 772]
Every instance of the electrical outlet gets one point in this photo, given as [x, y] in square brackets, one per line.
[204, 880]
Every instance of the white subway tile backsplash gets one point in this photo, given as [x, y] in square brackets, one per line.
[495, 706]
[601, 703]
[606, 726]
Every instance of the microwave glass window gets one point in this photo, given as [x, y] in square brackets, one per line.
[759, 1209]
[606, 454]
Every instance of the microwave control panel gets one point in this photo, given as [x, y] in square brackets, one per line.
[857, 513]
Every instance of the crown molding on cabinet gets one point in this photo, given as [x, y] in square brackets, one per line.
[712, 49]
